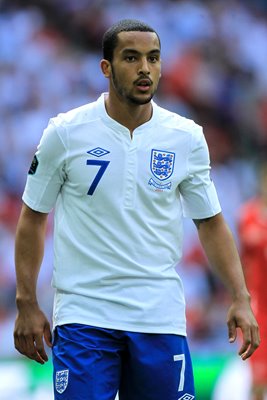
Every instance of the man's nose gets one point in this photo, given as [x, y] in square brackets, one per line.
[144, 67]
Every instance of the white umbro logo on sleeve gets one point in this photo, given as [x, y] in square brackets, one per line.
[186, 396]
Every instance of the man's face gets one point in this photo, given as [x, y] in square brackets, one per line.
[136, 66]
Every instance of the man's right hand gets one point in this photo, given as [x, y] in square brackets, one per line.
[31, 327]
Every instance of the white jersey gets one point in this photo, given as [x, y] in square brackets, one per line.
[119, 204]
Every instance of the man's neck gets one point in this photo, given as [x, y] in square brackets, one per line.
[129, 115]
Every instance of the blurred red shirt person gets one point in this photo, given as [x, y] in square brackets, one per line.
[252, 226]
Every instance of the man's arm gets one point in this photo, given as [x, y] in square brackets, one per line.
[31, 324]
[219, 246]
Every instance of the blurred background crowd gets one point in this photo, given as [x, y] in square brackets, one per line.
[214, 56]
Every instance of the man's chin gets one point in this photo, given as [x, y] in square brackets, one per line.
[140, 100]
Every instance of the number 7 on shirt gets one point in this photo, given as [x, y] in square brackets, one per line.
[103, 166]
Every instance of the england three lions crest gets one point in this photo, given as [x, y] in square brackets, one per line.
[162, 164]
[62, 380]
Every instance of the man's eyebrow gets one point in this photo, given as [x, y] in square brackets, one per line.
[155, 51]
[134, 51]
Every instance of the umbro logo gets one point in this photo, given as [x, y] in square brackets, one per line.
[98, 152]
[187, 396]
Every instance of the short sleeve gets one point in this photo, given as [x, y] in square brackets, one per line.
[198, 194]
[47, 172]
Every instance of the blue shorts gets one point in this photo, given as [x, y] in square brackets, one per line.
[94, 364]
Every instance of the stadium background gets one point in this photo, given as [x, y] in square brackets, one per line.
[214, 71]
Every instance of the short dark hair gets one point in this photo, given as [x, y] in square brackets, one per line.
[110, 38]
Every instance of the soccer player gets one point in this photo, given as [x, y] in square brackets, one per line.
[253, 240]
[121, 172]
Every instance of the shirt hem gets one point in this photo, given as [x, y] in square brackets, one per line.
[122, 327]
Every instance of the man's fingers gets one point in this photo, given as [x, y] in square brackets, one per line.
[250, 343]
[48, 335]
[244, 350]
[240, 317]
[30, 347]
[29, 334]
[21, 344]
[231, 331]
[39, 349]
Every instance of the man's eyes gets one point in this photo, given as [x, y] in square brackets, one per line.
[130, 58]
[152, 59]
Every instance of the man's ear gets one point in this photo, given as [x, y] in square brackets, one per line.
[105, 67]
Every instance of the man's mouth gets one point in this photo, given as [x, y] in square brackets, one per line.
[143, 84]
